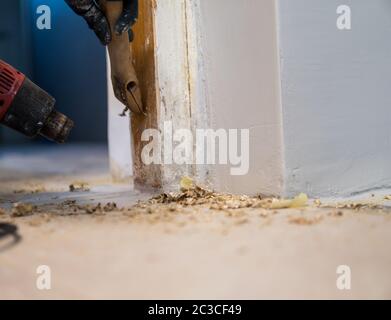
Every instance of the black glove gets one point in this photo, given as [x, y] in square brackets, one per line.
[97, 21]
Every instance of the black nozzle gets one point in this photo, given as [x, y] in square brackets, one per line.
[57, 127]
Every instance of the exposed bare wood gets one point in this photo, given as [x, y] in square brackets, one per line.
[144, 56]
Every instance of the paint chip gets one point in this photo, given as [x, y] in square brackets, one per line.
[186, 183]
[298, 202]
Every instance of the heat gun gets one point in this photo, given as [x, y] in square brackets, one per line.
[28, 109]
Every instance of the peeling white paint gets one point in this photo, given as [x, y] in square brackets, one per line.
[218, 68]
[173, 76]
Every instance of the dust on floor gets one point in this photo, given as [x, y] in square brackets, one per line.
[109, 241]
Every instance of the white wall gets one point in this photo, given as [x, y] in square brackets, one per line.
[120, 155]
[336, 96]
[317, 100]
[239, 40]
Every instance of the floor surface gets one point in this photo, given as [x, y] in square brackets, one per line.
[190, 254]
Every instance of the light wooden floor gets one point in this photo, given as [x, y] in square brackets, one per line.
[193, 255]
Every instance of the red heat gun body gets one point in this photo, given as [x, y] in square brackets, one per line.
[28, 109]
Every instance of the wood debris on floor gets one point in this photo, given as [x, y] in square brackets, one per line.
[305, 221]
[31, 188]
[192, 194]
[193, 203]
[22, 210]
[79, 187]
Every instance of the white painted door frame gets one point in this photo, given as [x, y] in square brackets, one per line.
[207, 77]
[181, 94]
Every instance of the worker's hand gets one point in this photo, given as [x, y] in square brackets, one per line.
[91, 12]
[128, 18]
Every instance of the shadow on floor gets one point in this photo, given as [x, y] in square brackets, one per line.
[9, 235]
